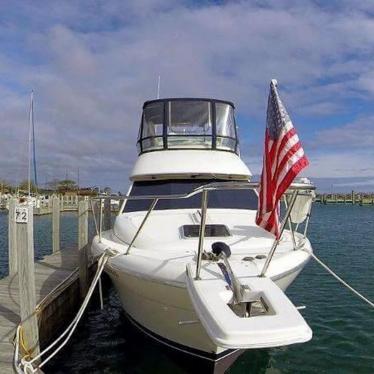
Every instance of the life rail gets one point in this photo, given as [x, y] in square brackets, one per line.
[295, 190]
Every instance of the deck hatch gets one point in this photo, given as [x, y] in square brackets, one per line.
[211, 230]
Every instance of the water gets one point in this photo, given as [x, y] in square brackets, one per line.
[343, 340]
[42, 235]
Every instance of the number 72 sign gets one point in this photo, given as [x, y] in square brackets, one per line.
[22, 215]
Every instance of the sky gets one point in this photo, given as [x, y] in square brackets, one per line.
[92, 64]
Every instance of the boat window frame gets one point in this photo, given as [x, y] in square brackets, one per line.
[165, 123]
[161, 187]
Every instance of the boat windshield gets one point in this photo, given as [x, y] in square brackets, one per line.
[224, 199]
[188, 124]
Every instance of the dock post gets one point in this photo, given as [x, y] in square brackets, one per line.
[82, 246]
[55, 224]
[107, 214]
[26, 278]
[12, 238]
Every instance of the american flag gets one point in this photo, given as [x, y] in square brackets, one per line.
[283, 160]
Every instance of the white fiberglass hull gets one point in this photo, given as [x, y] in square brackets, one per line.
[164, 309]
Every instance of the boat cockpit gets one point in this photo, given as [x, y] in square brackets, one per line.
[188, 124]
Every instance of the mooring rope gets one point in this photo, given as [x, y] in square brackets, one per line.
[342, 281]
[28, 365]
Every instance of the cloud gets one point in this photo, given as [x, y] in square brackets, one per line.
[369, 182]
[342, 163]
[92, 64]
[358, 134]
[343, 184]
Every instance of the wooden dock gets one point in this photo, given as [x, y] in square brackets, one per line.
[54, 270]
[353, 198]
[42, 296]
[67, 203]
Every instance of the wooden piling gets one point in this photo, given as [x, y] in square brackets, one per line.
[54, 283]
[12, 237]
[107, 215]
[55, 224]
[83, 246]
[26, 278]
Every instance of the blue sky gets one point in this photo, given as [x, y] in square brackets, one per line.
[93, 63]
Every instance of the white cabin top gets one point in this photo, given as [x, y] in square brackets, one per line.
[188, 138]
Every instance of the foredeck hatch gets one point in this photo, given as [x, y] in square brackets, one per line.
[211, 230]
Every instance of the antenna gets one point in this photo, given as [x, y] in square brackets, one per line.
[158, 86]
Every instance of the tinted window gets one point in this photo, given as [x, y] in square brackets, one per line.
[235, 199]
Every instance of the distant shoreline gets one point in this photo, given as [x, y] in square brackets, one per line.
[353, 198]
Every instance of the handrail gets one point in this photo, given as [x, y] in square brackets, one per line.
[277, 240]
[204, 206]
[154, 202]
[229, 185]
[294, 189]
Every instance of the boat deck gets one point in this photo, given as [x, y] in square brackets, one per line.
[50, 272]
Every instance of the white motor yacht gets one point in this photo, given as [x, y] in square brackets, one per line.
[193, 270]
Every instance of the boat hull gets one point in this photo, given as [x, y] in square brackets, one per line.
[165, 312]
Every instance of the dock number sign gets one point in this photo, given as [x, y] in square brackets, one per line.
[22, 215]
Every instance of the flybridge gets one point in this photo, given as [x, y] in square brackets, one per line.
[188, 123]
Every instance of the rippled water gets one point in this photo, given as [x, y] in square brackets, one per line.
[343, 328]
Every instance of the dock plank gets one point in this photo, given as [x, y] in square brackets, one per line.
[49, 273]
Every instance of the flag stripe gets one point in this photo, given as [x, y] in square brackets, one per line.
[283, 159]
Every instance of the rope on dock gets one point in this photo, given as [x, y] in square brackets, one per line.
[362, 297]
[27, 366]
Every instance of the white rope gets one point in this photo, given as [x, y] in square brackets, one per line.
[27, 365]
[101, 295]
[16, 352]
[342, 281]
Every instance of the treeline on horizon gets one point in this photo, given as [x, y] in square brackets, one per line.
[58, 186]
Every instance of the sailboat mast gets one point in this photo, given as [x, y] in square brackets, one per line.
[33, 142]
[32, 153]
[30, 140]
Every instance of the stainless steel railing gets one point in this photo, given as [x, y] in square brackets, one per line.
[295, 190]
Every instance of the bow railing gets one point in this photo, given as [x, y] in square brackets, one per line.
[294, 191]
